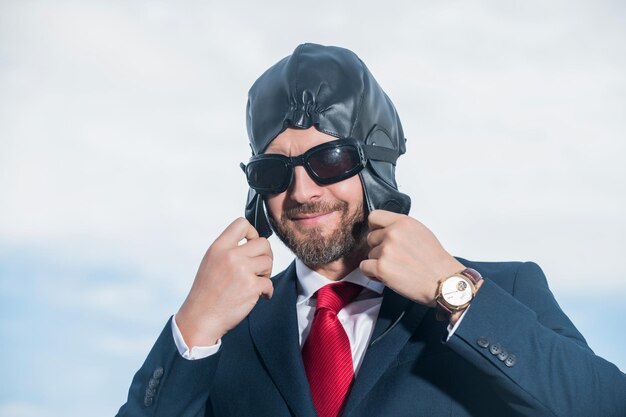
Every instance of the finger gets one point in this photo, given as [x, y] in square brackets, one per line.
[369, 267]
[266, 288]
[379, 219]
[261, 266]
[376, 237]
[256, 247]
[236, 231]
[375, 253]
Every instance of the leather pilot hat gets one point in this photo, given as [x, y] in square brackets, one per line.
[331, 89]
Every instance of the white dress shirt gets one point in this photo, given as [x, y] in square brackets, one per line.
[357, 318]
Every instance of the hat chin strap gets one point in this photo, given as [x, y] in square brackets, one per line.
[255, 214]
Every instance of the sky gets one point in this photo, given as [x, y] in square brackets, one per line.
[122, 126]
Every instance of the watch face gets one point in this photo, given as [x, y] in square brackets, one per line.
[456, 291]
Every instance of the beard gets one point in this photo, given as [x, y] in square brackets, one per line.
[310, 245]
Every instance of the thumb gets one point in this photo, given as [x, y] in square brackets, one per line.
[236, 231]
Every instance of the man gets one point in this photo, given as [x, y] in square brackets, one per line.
[374, 318]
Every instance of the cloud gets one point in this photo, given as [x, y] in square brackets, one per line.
[21, 409]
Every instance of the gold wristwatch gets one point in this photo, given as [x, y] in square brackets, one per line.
[456, 292]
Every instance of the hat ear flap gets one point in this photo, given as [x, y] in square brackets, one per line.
[380, 196]
[378, 177]
[255, 214]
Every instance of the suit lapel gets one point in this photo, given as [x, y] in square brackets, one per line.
[274, 331]
[397, 321]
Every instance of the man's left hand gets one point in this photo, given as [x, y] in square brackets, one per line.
[406, 256]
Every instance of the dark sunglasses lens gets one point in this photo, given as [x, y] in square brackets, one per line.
[335, 162]
[267, 175]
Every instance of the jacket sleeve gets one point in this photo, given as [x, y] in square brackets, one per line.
[169, 385]
[536, 359]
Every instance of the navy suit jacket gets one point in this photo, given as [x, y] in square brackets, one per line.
[515, 353]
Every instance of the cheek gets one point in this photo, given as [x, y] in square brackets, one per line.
[349, 190]
[274, 204]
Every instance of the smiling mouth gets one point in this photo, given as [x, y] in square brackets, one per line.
[305, 216]
[310, 218]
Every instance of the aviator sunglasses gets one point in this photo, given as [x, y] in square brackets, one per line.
[327, 163]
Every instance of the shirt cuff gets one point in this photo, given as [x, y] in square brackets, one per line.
[451, 329]
[196, 352]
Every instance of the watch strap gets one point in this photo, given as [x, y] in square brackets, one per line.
[472, 274]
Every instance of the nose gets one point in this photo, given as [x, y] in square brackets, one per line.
[303, 189]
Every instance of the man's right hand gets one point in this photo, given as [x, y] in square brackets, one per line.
[229, 282]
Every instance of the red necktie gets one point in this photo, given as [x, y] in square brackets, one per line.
[326, 353]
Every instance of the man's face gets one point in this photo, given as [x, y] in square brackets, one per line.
[319, 223]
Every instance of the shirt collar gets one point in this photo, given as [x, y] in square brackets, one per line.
[310, 281]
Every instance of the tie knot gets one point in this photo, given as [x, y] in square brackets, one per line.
[336, 296]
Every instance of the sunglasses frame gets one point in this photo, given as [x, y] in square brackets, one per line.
[290, 162]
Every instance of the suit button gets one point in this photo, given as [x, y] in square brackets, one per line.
[152, 384]
[158, 373]
[147, 400]
[495, 349]
[483, 342]
[510, 361]
[503, 355]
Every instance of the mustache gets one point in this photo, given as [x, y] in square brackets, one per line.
[315, 207]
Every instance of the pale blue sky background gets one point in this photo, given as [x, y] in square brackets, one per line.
[122, 126]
